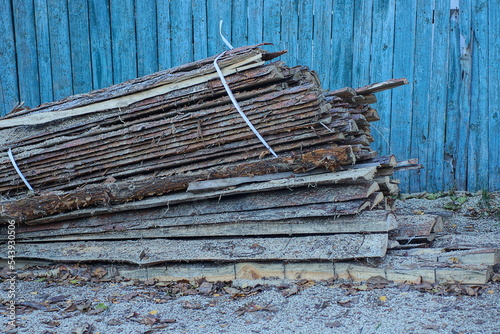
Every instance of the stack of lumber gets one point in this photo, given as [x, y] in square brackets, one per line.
[163, 170]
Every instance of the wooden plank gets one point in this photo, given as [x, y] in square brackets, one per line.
[100, 43]
[60, 50]
[256, 18]
[361, 41]
[218, 10]
[164, 32]
[290, 31]
[9, 91]
[404, 36]
[147, 36]
[421, 94]
[304, 57]
[212, 272]
[480, 256]
[155, 251]
[342, 44]
[417, 227]
[25, 39]
[78, 17]
[477, 171]
[272, 21]
[259, 270]
[322, 39]
[437, 98]
[123, 40]
[494, 99]
[43, 51]
[198, 226]
[182, 32]
[315, 271]
[200, 29]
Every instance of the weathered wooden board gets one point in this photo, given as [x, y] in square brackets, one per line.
[417, 228]
[155, 251]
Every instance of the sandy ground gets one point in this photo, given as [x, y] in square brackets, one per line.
[66, 305]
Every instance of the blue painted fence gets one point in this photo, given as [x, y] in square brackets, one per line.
[448, 117]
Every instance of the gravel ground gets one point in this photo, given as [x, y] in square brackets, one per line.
[105, 306]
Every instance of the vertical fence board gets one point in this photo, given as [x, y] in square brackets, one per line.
[438, 96]
[382, 50]
[164, 34]
[100, 43]
[255, 21]
[80, 45]
[43, 51]
[9, 92]
[290, 31]
[182, 31]
[362, 39]
[478, 148]
[200, 38]
[239, 24]
[401, 117]
[218, 10]
[147, 44]
[420, 98]
[272, 22]
[342, 44]
[27, 61]
[493, 69]
[305, 40]
[322, 34]
[60, 50]
[123, 41]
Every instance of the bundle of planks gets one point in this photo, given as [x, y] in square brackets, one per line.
[162, 169]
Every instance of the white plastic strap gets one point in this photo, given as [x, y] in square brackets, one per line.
[11, 157]
[233, 99]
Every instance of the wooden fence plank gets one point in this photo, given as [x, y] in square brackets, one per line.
[322, 34]
[200, 29]
[437, 98]
[289, 31]
[9, 92]
[60, 50]
[27, 64]
[272, 22]
[362, 42]
[218, 10]
[43, 51]
[100, 43]
[256, 17]
[147, 44]
[400, 128]
[342, 46]
[381, 69]
[164, 31]
[305, 37]
[421, 72]
[80, 46]
[123, 41]
[493, 68]
[182, 32]
[478, 149]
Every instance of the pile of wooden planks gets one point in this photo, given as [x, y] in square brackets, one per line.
[162, 170]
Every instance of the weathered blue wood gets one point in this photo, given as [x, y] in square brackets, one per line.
[100, 43]
[272, 22]
[9, 93]
[123, 41]
[200, 38]
[80, 45]
[478, 148]
[27, 61]
[382, 51]
[182, 31]
[43, 51]
[60, 49]
[305, 40]
[218, 10]
[322, 35]
[437, 97]
[342, 44]
[239, 24]
[401, 117]
[255, 21]
[290, 31]
[362, 42]
[147, 44]
[493, 68]
[420, 98]
[164, 34]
